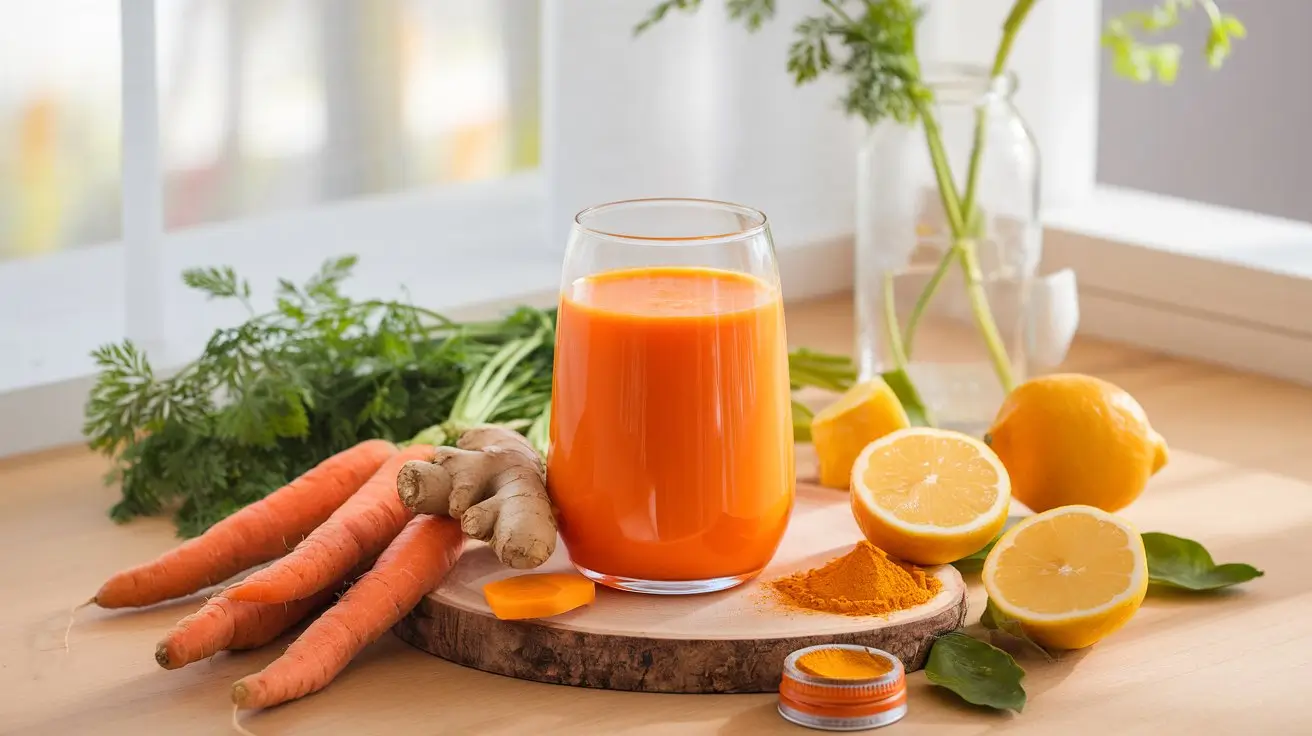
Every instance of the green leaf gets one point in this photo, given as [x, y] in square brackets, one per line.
[290, 309]
[753, 13]
[874, 49]
[217, 283]
[1166, 63]
[994, 619]
[1139, 61]
[975, 562]
[1234, 27]
[979, 672]
[323, 285]
[809, 55]
[1183, 563]
[1217, 48]
[906, 393]
[662, 9]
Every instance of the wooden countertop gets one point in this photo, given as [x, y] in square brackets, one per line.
[1240, 481]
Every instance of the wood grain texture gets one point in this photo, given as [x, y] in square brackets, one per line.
[734, 641]
[1240, 480]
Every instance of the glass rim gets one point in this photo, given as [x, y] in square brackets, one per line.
[758, 219]
[967, 79]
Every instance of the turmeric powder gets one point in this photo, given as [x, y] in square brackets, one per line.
[844, 664]
[863, 582]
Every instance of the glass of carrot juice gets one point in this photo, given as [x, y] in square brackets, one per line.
[671, 460]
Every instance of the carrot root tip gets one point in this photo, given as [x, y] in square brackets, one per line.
[240, 694]
[72, 614]
[162, 656]
[236, 725]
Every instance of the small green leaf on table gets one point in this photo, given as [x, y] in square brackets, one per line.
[994, 619]
[975, 562]
[1182, 563]
[906, 393]
[979, 672]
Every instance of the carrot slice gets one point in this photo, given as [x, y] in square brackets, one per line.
[538, 596]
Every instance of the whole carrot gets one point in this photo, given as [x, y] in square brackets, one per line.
[225, 624]
[411, 566]
[256, 534]
[356, 531]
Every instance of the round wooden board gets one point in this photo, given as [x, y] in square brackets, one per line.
[734, 641]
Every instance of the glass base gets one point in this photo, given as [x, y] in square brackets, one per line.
[666, 587]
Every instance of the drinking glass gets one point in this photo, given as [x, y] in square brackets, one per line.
[671, 460]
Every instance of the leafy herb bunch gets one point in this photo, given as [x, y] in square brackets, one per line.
[872, 44]
[270, 398]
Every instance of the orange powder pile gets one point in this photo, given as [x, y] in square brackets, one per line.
[863, 582]
[844, 664]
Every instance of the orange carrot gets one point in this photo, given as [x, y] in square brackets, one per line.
[411, 566]
[357, 531]
[256, 534]
[225, 624]
[538, 596]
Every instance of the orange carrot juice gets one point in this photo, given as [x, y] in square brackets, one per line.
[671, 429]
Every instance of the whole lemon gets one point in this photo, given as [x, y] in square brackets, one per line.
[1074, 439]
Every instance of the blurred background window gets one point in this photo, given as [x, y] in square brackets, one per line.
[265, 105]
[59, 125]
[1237, 137]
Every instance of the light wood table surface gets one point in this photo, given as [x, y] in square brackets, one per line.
[1240, 480]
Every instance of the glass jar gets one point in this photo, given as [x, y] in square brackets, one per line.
[941, 305]
[671, 460]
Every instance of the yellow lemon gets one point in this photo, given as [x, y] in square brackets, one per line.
[929, 496]
[1070, 576]
[1074, 439]
[863, 414]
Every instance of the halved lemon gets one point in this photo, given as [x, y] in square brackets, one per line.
[1070, 576]
[929, 496]
[864, 413]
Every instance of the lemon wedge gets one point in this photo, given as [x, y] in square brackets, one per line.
[1070, 576]
[866, 412]
[929, 496]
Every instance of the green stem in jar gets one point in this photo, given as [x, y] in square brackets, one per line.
[922, 301]
[899, 378]
[896, 350]
[964, 219]
[988, 326]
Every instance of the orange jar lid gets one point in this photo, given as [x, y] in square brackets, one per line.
[843, 704]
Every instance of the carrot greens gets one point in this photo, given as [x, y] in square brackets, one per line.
[270, 398]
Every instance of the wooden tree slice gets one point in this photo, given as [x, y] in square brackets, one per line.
[734, 641]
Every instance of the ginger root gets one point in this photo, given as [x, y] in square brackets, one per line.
[493, 482]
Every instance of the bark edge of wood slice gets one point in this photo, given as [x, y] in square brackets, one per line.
[734, 641]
